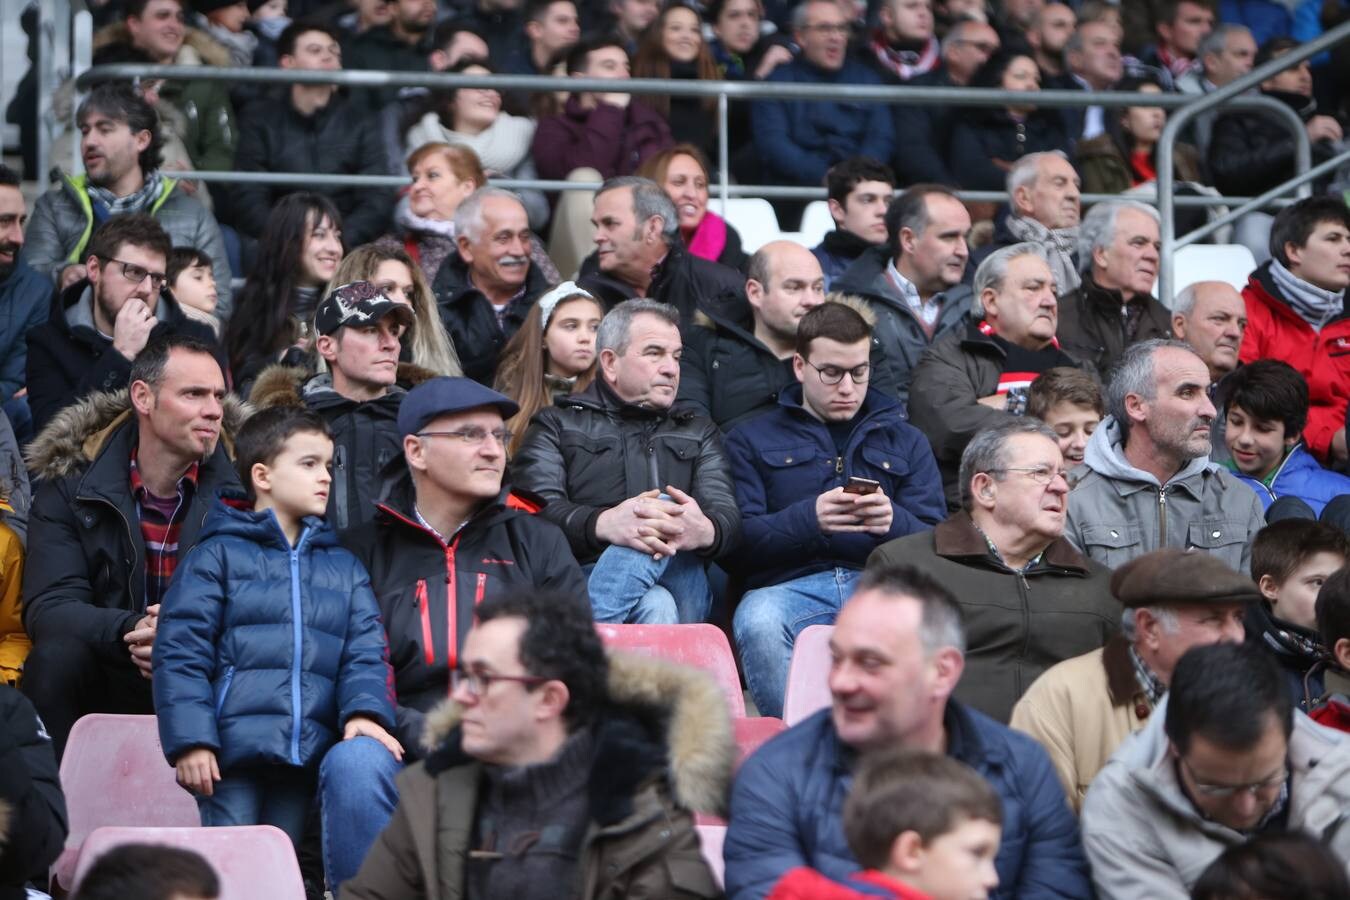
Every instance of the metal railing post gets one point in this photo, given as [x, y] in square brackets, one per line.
[723, 149]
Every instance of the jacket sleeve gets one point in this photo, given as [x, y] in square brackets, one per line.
[918, 158]
[185, 651]
[14, 482]
[762, 842]
[1245, 154]
[30, 786]
[215, 145]
[944, 404]
[539, 467]
[390, 870]
[716, 495]
[1122, 847]
[879, 141]
[48, 392]
[695, 394]
[560, 570]
[43, 246]
[1041, 714]
[365, 681]
[1053, 865]
[556, 153]
[777, 151]
[770, 538]
[370, 215]
[919, 504]
[1256, 520]
[971, 163]
[250, 204]
[14, 366]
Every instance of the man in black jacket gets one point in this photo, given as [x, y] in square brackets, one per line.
[125, 483]
[447, 535]
[643, 494]
[311, 129]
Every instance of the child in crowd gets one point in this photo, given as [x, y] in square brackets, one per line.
[924, 826]
[193, 284]
[149, 872]
[270, 646]
[1070, 402]
[1291, 560]
[1333, 625]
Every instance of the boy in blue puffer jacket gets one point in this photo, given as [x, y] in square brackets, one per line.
[270, 646]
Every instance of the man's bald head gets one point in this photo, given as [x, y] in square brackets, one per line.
[783, 282]
[1211, 316]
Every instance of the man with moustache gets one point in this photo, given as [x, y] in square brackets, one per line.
[25, 296]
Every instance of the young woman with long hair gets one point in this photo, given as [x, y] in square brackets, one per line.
[673, 47]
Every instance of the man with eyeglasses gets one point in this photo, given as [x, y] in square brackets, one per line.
[447, 535]
[1028, 598]
[822, 480]
[100, 323]
[1225, 758]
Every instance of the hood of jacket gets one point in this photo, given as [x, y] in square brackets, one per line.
[232, 516]
[658, 716]
[199, 48]
[1105, 454]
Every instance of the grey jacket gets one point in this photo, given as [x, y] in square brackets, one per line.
[1117, 512]
[1145, 839]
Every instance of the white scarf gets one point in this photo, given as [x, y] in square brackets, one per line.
[501, 147]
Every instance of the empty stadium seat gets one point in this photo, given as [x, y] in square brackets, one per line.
[114, 773]
[701, 646]
[752, 732]
[752, 217]
[816, 222]
[711, 838]
[254, 862]
[808, 687]
[1230, 263]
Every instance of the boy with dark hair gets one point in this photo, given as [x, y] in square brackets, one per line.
[1266, 404]
[923, 826]
[1333, 627]
[270, 647]
[188, 276]
[859, 191]
[149, 872]
[1070, 401]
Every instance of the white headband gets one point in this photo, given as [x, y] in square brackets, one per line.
[550, 301]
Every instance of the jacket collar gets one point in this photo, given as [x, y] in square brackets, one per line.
[1121, 683]
[1105, 455]
[957, 538]
[1106, 299]
[875, 404]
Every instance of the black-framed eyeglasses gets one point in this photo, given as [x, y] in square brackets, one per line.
[1227, 791]
[1039, 474]
[834, 374]
[136, 274]
[474, 435]
[476, 684]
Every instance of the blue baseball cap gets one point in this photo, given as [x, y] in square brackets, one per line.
[444, 396]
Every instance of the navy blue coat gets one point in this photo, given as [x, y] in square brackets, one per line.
[788, 799]
[25, 299]
[781, 461]
[264, 652]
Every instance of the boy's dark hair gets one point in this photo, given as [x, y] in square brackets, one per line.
[904, 790]
[579, 56]
[1227, 694]
[834, 320]
[148, 366]
[843, 177]
[1276, 46]
[264, 435]
[9, 177]
[286, 42]
[1295, 223]
[118, 101]
[712, 11]
[910, 210]
[535, 10]
[136, 8]
[1269, 390]
[149, 872]
[137, 229]
[1063, 384]
[1275, 865]
[1281, 547]
[559, 642]
[181, 258]
[1333, 608]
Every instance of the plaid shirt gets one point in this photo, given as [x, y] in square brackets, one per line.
[161, 521]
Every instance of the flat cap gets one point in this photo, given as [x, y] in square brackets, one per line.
[1180, 578]
[443, 396]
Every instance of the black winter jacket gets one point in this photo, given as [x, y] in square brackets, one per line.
[683, 280]
[416, 578]
[592, 451]
[984, 136]
[469, 318]
[30, 788]
[1091, 330]
[1251, 152]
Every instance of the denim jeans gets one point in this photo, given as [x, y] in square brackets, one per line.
[357, 796]
[261, 795]
[629, 586]
[768, 621]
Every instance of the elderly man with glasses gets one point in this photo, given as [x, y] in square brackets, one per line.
[1027, 597]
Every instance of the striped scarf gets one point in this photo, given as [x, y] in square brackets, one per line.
[137, 201]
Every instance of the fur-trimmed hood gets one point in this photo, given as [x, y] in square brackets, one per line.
[199, 48]
[676, 712]
[281, 385]
[75, 435]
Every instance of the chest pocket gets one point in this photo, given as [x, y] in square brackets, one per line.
[1111, 545]
[884, 465]
[786, 469]
[592, 469]
[675, 457]
[1223, 538]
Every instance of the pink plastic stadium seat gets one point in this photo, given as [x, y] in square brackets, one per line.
[701, 646]
[752, 732]
[710, 839]
[254, 863]
[808, 685]
[114, 773]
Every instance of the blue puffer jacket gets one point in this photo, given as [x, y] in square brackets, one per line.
[1302, 476]
[781, 461]
[264, 652]
[787, 809]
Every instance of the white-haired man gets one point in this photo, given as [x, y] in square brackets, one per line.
[1044, 190]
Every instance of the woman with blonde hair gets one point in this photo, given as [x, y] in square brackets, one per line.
[552, 355]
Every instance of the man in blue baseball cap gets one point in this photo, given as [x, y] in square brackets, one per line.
[447, 535]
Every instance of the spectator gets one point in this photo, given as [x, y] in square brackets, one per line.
[552, 27]
[643, 494]
[903, 45]
[97, 326]
[401, 46]
[624, 750]
[442, 176]
[1009, 533]
[35, 824]
[299, 251]
[226, 21]
[798, 140]
[631, 18]
[223, 658]
[473, 118]
[91, 590]
[188, 277]
[1168, 802]
[120, 148]
[1294, 305]
[15, 502]
[1148, 481]
[1044, 209]
[311, 129]
[1280, 866]
[1180, 26]
[673, 47]
[682, 172]
[1126, 154]
[973, 378]
[151, 872]
[743, 51]
[1015, 18]
[914, 281]
[1333, 630]
[812, 514]
[898, 650]
[1095, 64]
[1069, 401]
[639, 252]
[1212, 317]
[907, 817]
[486, 288]
[1047, 36]
[502, 25]
[1227, 53]
[551, 357]
[269, 20]
[25, 296]
[1114, 307]
[448, 535]
[985, 144]
[1267, 412]
[1081, 709]
[860, 190]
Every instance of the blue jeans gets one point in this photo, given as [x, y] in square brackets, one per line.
[629, 586]
[357, 796]
[768, 621]
[261, 795]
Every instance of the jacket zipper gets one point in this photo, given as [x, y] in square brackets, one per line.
[224, 689]
[839, 463]
[1162, 517]
[297, 648]
[339, 504]
[423, 608]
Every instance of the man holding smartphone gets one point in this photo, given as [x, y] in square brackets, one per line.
[822, 480]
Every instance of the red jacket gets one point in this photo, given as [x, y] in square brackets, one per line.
[808, 884]
[1335, 713]
[1275, 331]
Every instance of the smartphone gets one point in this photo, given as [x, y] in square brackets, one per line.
[858, 485]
